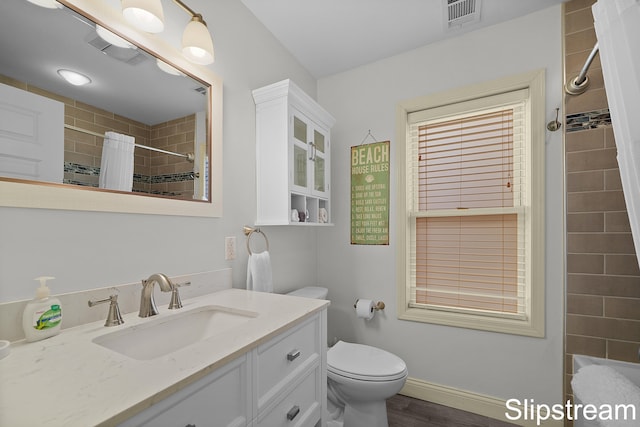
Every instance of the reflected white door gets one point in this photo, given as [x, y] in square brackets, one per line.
[31, 136]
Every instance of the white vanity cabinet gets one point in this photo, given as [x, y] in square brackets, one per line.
[281, 382]
[222, 398]
[293, 157]
[290, 377]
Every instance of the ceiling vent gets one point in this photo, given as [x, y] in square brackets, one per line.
[128, 56]
[201, 90]
[461, 12]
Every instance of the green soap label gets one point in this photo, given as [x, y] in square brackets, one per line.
[49, 319]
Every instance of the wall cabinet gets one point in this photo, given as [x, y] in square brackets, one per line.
[279, 383]
[293, 157]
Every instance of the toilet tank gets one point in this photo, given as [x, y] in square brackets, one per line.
[316, 292]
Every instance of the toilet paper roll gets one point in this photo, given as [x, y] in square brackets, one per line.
[365, 308]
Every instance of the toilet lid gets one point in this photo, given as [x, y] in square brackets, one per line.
[364, 362]
[316, 292]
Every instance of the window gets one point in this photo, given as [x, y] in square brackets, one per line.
[471, 185]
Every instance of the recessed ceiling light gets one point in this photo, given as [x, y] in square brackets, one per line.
[74, 77]
[112, 38]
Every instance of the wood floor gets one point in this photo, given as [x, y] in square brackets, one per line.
[403, 411]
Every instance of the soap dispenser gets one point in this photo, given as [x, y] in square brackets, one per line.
[43, 315]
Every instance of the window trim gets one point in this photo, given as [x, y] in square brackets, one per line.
[534, 324]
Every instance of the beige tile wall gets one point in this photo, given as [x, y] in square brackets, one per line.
[85, 149]
[603, 278]
[177, 136]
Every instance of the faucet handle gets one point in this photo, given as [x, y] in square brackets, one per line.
[175, 295]
[113, 317]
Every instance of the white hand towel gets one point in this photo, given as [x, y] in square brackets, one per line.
[259, 272]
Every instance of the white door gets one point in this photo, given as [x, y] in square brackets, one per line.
[31, 136]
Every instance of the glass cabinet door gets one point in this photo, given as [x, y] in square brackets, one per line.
[300, 176]
[310, 157]
[319, 154]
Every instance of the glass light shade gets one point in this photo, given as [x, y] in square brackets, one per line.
[112, 38]
[49, 4]
[167, 68]
[197, 45]
[146, 15]
[74, 77]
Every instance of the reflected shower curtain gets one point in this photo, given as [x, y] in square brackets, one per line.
[617, 25]
[116, 166]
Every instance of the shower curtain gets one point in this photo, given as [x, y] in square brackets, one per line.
[617, 25]
[116, 166]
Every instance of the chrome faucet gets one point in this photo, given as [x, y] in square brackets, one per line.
[147, 302]
[114, 317]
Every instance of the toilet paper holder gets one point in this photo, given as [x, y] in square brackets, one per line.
[379, 305]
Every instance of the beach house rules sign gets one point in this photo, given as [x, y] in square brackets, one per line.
[370, 194]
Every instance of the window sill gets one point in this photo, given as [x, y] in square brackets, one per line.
[526, 327]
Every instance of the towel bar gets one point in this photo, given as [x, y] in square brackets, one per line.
[248, 231]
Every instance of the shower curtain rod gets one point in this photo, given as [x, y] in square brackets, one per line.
[580, 83]
[188, 156]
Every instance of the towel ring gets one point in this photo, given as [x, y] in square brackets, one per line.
[248, 231]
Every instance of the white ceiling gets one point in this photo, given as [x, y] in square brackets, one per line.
[330, 36]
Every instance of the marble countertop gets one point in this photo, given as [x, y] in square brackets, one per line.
[68, 380]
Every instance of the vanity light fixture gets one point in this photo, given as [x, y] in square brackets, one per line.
[73, 77]
[112, 38]
[167, 68]
[146, 15]
[49, 4]
[197, 45]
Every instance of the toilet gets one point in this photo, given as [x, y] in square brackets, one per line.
[360, 378]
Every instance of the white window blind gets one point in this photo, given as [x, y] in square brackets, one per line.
[468, 211]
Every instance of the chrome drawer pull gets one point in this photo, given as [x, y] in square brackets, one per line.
[293, 412]
[293, 355]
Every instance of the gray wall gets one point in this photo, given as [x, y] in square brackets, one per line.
[498, 365]
[87, 250]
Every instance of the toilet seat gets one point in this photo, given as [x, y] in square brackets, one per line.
[365, 363]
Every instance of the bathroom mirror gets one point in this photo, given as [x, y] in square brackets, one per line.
[176, 109]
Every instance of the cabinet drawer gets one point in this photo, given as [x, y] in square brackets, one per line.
[221, 399]
[301, 407]
[280, 360]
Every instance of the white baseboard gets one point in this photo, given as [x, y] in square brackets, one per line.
[476, 403]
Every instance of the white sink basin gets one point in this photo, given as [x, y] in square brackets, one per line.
[164, 335]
